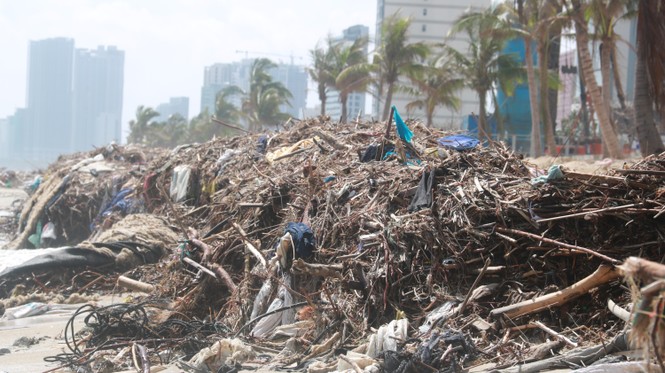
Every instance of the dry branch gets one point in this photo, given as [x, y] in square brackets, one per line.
[602, 275]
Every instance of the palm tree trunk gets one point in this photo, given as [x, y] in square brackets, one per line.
[389, 99]
[343, 98]
[606, 73]
[553, 54]
[610, 138]
[482, 117]
[544, 97]
[535, 149]
[617, 79]
[323, 99]
[647, 134]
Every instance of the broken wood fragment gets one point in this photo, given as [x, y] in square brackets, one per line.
[250, 247]
[585, 213]
[643, 269]
[557, 243]
[554, 334]
[135, 285]
[602, 275]
[314, 269]
[329, 139]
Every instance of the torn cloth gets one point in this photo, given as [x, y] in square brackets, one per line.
[458, 142]
[424, 195]
[402, 129]
[554, 173]
[303, 239]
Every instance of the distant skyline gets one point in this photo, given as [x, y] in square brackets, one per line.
[168, 43]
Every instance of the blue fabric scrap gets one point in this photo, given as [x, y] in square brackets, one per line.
[458, 142]
[554, 173]
[402, 129]
[303, 239]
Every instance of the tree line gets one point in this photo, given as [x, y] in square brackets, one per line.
[433, 74]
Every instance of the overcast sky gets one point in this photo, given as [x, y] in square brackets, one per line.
[167, 43]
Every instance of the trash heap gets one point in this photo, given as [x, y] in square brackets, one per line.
[362, 247]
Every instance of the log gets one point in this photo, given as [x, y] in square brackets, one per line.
[314, 269]
[602, 275]
[643, 269]
[135, 285]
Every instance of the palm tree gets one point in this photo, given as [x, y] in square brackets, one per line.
[482, 66]
[201, 128]
[437, 84]
[169, 133]
[531, 20]
[265, 97]
[223, 108]
[395, 57]
[610, 138]
[649, 73]
[604, 14]
[527, 22]
[349, 67]
[138, 127]
[320, 73]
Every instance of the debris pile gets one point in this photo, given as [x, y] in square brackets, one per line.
[328, 247]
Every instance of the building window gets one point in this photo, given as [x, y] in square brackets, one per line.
[424, 11]
[424, 28]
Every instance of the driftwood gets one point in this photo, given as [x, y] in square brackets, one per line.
[135, 285]
[602, 275]
[642, 269]
[554, 334]
[250, 247]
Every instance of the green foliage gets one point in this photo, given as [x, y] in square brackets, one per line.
[350, 69]
[482, 66]
[167, 134]
[436, 84]
[396, 57]
[322, 73]
[262, 103]
[138, 127]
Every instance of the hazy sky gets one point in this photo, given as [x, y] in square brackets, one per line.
[167, 43]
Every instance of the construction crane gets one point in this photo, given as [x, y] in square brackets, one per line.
[247, 53]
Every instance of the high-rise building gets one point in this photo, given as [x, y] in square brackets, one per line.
[73, 101]
[176, 105]
[355, 102]
[98, 91]
[294, 78]
[49, 99]
[220, 75]
[4, 138]
[431, 20]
